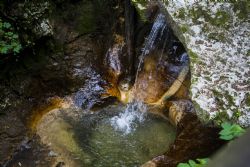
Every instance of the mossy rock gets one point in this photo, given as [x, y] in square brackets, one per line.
[140, 6]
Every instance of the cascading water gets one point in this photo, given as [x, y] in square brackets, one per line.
[127, 121]
[135, 110]
[156, 33]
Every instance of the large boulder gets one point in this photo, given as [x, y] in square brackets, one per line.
[216, 36]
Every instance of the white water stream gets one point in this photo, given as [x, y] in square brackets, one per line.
[128, 120]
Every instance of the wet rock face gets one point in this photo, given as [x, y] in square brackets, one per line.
[158, 74]
[114, 59]
[55, 66]
[216, 37]
[153, 80]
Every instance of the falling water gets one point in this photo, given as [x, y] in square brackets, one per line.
[135, 111]
[127, 120]
[156, 34]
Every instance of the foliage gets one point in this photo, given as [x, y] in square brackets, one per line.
[230, 131]
[9, 39]
[196, 163]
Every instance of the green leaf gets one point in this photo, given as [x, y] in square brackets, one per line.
[6, 25]
[15, 36]
[203, 161]
[226, 125]
[227, 137]
[183, 165]
[10, 33]
[225, 132]
[9, 39]
[229, 131]
[192, 163]
[17, 48]
[4, 50]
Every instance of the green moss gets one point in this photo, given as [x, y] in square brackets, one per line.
[242, 8]
[193, 56]
[236, 115]
[202, 115]
[217, 36]
[181, 13]
[197, 12]
[218, 95]
[247, 99]
[194, 80]
[184, 28]
[229, 98]
[221, 19]
[140, 6]
[221, 117]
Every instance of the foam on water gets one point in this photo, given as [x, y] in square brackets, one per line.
[126, 121]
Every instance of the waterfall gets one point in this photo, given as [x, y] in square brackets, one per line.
[156, 34]
[156, 31]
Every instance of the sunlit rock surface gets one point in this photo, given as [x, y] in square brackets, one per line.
[216, 36]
